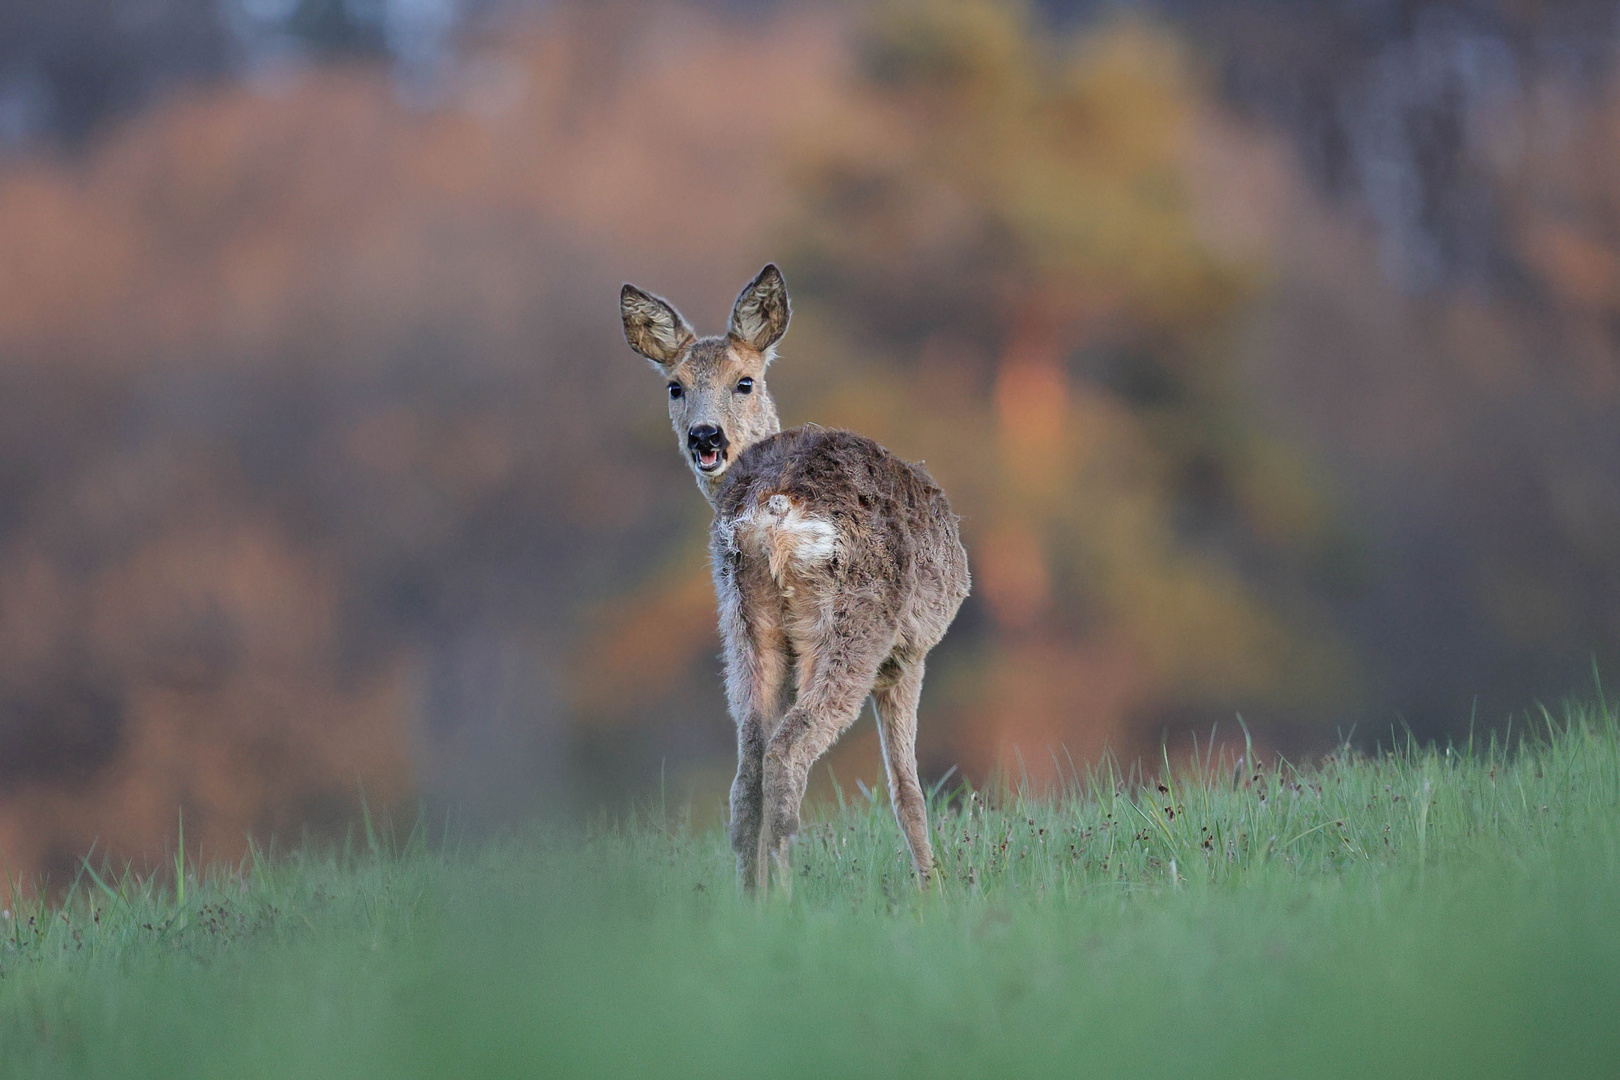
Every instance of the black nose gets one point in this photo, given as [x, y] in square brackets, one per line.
[706, 437]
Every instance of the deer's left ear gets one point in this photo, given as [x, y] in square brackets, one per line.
[760, 316]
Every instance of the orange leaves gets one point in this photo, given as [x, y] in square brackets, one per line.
[1009, 571]
[1031, 395]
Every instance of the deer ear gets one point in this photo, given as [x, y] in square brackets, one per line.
[652, 326]
[760, 316]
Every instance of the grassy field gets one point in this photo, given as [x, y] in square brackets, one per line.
[1425, 913]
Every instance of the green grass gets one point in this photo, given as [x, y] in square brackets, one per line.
[1424, 913]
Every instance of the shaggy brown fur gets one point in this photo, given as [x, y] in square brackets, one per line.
[837, 567]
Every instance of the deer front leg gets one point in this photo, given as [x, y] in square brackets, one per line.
[756, 676]
[746, 800]
[835, 678]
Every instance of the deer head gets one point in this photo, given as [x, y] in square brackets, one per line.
[718, 403]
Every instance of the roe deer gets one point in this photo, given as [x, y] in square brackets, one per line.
[835, 563]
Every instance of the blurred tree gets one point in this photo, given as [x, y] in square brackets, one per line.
[67, 67]
[67, 64]
[322, 459]
[319, 443]
[1002, 222]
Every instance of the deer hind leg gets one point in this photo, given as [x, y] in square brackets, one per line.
[835, 677]
[756, 679]
[896, 699]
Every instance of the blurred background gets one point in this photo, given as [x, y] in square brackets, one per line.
[1269, 351]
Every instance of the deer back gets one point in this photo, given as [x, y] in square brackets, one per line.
[835, 513]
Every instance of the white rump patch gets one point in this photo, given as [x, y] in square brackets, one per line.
[786, 536]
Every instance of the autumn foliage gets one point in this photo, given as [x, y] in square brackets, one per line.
[324, 469]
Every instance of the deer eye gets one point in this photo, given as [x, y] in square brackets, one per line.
[675, 390]
[745, 385]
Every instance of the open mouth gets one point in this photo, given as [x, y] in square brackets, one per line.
[707, 445]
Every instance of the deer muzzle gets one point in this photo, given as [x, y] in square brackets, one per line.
[707, 444]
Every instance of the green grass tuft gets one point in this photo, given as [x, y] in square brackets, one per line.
[1426, 912]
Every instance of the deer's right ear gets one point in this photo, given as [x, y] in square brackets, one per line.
[652, 326]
